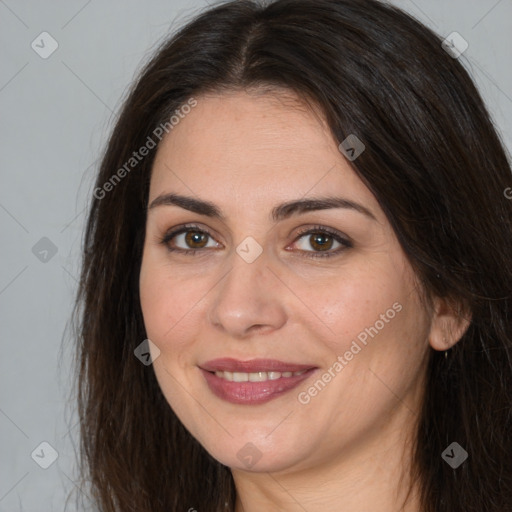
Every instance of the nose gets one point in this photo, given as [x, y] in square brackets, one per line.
[248, 299]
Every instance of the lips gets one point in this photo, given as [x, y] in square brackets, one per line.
[253, 382]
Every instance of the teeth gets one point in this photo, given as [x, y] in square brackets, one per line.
[256, 376]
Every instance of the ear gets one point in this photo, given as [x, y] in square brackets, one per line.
[448, 325]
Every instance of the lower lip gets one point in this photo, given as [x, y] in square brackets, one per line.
[253, 393]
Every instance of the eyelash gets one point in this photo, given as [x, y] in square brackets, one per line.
[346, 244]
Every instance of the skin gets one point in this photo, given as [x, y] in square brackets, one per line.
[349, 446]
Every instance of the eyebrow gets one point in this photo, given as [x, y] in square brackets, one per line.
[279, 212]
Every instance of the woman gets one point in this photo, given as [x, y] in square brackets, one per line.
[295, 290]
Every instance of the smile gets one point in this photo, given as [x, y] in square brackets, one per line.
[255, 376]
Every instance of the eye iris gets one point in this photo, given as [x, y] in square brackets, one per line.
[318, 241]
[194, 237]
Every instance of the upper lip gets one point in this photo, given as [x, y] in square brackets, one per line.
[228, 364]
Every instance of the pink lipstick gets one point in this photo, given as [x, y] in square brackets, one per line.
[253, 382]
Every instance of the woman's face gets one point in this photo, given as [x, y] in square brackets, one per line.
[342, 302]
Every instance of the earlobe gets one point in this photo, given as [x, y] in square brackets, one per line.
[448, 325]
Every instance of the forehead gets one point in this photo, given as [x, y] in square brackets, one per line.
[255, 146]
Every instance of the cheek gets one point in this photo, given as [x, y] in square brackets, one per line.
[346, 303]
[372, 317]
[173, 306]
[374, 349]
[381, 331]
[165, 301]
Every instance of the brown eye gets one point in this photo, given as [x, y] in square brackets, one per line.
[188, 239]
[321, 240]
[196, 239]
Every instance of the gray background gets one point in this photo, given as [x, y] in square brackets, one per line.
[55, 116]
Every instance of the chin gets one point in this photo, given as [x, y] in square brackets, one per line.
[251, 455]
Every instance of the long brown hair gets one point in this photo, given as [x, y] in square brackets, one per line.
[437, 167]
